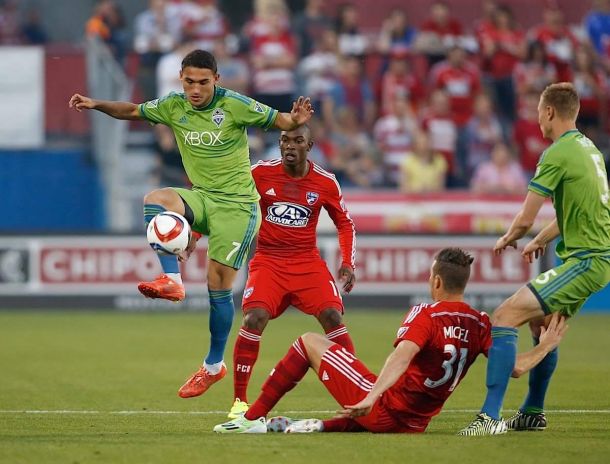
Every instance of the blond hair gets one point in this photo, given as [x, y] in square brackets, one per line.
[563, 97]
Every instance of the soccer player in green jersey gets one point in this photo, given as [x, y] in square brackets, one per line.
[571, 171]
[209, 123]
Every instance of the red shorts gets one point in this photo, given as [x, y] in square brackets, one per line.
[348, 380]
[276, 283]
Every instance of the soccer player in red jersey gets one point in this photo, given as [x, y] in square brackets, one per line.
[434, 348]
[287, 268]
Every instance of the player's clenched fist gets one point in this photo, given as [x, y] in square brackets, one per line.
[80, 102]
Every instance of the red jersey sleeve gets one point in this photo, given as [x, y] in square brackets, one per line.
[417, 327]
[345, 226]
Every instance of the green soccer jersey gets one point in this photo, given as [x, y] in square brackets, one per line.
[572, 172]
[212, 140]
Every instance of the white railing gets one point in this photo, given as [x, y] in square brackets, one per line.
[106, 80]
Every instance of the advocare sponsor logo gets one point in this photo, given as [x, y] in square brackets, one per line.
[205, 138]
[118, 265]
[288, 214]
[411, 264]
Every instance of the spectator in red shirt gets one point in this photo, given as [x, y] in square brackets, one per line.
[527, 135]
[400, 82]
[590, 83]
[438, 32]
[442, 130]
[274, 58]
[460, 79]
[502, 45]
[559, 42]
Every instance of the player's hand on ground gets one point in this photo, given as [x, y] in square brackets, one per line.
[360, 409]
[347, 278]
[552, 334]
[186, 254]
[301, 110]
[502, 244]
[80, 102]
[533, 250]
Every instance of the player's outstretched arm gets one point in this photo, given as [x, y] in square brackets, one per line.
[537, 246]
[523, 222]
[395, 365]
[116, 109]
[301, 113]
[550, 337]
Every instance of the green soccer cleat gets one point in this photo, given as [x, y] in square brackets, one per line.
[484, 425]
[522, 421]
[242, 425]
[238, 409]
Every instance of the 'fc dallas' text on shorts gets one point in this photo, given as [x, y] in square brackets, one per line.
[275, 283]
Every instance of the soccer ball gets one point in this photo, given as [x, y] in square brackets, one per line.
[168, 233]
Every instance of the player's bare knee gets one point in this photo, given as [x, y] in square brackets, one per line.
[256, 319]
[330, 318]
[165, 197]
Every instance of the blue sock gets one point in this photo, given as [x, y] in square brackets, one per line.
[500, 365]
[539, 379]
[169, 263]
[221, 319]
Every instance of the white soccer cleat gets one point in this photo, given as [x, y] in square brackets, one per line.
[484, 425]
[305, 426]
[242, 425]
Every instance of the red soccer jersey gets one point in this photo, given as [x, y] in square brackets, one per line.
[461, 84]
[451, 335]
[290, 208]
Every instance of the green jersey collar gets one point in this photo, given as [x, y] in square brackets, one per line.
[209, 105]
[568, 132]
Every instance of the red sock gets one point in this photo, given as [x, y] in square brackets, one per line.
[245, 354]
[287, 373]
[341, 336]
[342, 424]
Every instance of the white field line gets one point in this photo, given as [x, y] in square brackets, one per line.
[208, 413]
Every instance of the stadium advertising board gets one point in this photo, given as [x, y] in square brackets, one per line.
[103, 271]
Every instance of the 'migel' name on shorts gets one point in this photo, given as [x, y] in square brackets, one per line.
[456, 332]
[205, 138]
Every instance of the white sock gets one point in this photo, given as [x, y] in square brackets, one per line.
[213, 368]
[176, 277]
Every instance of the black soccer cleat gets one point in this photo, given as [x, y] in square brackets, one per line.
[521, 421]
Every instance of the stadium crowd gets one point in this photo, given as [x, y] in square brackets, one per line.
[416, 107]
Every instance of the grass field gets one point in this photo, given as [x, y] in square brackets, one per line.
[94, 387]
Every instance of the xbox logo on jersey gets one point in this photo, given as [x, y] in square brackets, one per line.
[288, 214]
[205, 138]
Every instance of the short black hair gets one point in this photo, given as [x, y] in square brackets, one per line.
[305, 130]
[453, 267]
[200, 59]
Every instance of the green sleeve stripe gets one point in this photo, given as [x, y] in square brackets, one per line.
[270, 118]
[536, 187]
[142, 111]
[239, 97]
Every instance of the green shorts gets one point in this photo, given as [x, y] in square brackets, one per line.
[230, 226]
[565, 288]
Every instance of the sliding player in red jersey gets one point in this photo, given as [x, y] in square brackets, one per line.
[434, 348]
[287, 268]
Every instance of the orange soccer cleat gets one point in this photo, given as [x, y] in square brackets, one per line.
[162, 287]
[200, 381]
